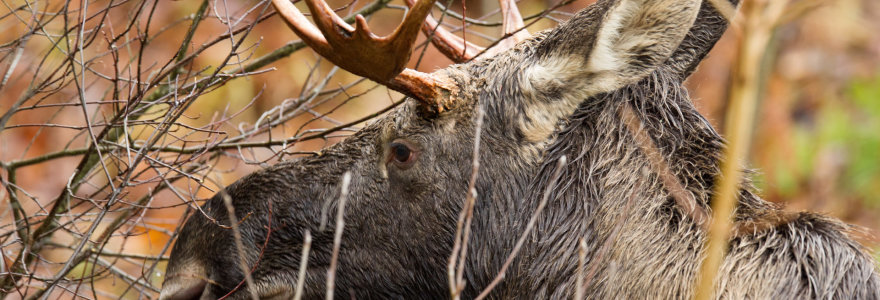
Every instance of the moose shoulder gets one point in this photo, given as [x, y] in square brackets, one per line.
[556, 93]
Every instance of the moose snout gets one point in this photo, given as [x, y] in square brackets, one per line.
[182, 286]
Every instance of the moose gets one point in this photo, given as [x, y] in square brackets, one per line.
[531, 100]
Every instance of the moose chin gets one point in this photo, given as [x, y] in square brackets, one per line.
[531, 100]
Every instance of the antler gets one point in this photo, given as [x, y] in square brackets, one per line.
[359, 51]
[459, 50]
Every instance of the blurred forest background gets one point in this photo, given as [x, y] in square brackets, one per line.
[182, 110]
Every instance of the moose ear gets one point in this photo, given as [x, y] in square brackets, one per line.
[607, 46]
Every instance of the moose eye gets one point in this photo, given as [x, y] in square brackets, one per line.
[401, 154]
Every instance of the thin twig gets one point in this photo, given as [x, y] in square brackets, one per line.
[760, 18]
[303, 266]
[337, 235]
[580, 289]
[522, 239]
[462, 229]
[683, 198]
[239, 246]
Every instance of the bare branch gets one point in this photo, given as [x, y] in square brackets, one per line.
[337, 235]
[239, 246]
[303, 264]
[522, 239]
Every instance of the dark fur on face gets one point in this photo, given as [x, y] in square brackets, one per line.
[559, 93]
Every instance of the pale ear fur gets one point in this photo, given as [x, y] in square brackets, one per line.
[635, 37]
[611, 45]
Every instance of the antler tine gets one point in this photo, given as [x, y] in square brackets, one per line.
[449, 44]
[301, 26]
[399, 42]
[325, 19]
[454, 46]
[512, 24]
[359, 51]
[512, 21]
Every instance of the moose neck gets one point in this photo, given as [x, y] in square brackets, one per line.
[608, 192]
[607, 188]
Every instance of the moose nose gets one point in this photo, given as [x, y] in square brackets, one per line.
[182, 288]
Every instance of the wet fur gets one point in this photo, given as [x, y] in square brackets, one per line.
[400, 223]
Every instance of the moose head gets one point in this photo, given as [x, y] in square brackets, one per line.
[529, 101]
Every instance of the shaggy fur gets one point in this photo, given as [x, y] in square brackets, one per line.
[400, 222]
